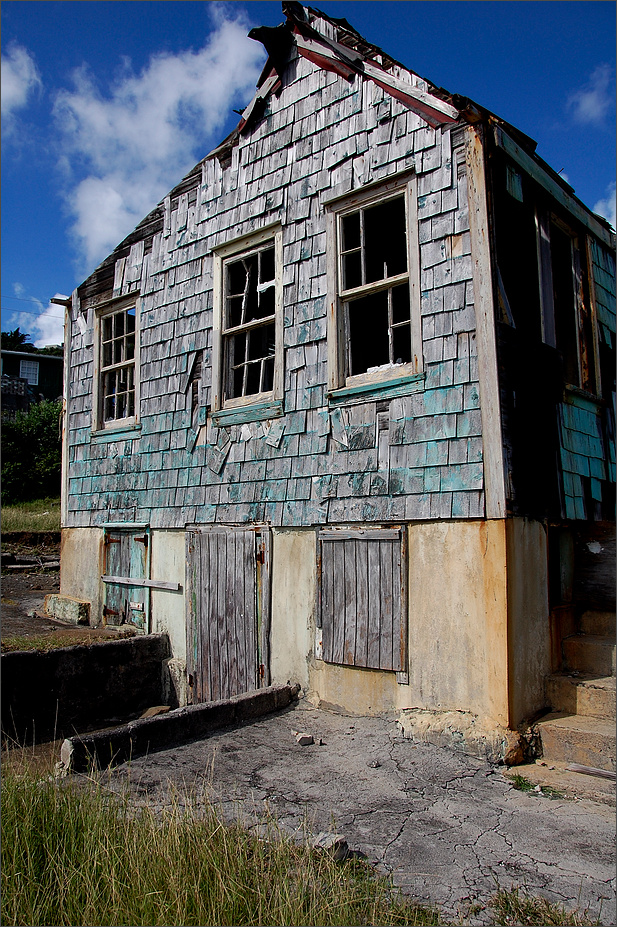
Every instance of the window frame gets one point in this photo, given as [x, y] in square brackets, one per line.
[339, 382]
[583, 322]
[35, 366]
[269, 403]
[100, 425]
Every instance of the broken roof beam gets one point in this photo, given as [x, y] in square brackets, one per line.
[334, 57]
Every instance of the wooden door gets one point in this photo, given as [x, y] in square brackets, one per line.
[126, 559]
[228, 593]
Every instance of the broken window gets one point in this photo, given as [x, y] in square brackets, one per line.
[250, 330]
[248, 313]
[117, 366]
[567, 304]
[377, 333]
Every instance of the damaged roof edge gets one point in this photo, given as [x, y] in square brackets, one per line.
[353, 53]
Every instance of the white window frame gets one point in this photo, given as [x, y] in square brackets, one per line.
[119, 305]
[373, 194]
[222, 255]
[33, 377]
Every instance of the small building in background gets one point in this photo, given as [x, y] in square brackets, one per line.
[27, 378]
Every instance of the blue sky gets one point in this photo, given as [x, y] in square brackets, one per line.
[106, 105]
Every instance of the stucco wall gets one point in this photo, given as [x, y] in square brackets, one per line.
[81, 567]
[529, 648]
[167, 609]
[458, 618]
[293, 606]
[457, 631]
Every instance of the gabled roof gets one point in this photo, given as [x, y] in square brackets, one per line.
[334, 45]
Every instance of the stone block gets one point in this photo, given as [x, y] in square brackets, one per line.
[67, 608]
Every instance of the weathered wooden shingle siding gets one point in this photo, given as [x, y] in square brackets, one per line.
[414, 457]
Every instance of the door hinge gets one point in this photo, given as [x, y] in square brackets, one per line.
[109, 611]
[143, 540]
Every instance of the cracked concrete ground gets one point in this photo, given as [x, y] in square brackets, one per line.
[448, 828]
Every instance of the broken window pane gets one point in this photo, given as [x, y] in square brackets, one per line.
[385, 240]
[564, 302]
[266, 265]
[368, 332]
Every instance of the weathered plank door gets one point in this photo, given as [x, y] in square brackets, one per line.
[362, 592]
[228, 601]
[127, 557]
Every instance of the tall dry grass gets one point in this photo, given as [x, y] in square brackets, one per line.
[86, 856]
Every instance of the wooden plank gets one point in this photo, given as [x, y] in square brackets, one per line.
[494, 478]
[384, 606]
[232, 625]
[222, 611]
[367, 534]
[374, 595]
[350, 610]
[338, 603]
[145, 583]
[264, 594]
[362, 603]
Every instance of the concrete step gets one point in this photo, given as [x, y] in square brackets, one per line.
[575, 739]
[590, 653]
[595, 622]
[587, 695]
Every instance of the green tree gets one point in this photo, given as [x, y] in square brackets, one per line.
[16, 341]
[31, 454]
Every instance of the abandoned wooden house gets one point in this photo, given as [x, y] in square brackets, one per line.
[339, 408]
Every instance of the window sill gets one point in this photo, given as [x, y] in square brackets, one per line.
[121, 433]
[256, 412]
[379, 389]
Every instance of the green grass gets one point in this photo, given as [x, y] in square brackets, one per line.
[524, 785]
[42, 515]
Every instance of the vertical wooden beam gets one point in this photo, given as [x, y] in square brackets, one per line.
[494, 482]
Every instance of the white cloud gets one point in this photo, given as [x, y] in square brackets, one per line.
[126, 147]
[43, 329]
[20, 78]
[592, 102]
[606, 206]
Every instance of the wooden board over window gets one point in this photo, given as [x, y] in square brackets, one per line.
[362, 597]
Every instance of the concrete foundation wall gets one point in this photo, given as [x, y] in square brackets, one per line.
[54, 694]
[529, 644]
[81, 566]
[478, 620]
[458, 618]
[458, 656]
[293, 606]
[167, 609]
